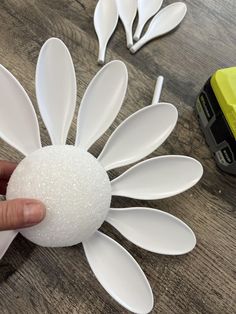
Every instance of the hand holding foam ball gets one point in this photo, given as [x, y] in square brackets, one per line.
[74, 188]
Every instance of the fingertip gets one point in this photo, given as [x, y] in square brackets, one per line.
[34, 212]
[21, 213]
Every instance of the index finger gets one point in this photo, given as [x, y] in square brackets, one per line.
[6, 169]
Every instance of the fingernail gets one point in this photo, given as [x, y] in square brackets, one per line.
[33, 213]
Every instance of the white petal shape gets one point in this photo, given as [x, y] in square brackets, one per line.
[101, 103]
[18, 121]
[139, 135]
[153, 230]
[56, 89]
[158, 178]
[163, 22]
[127, 10]
[145, 12]
[119, 274]
[6, 238]
[105, 21]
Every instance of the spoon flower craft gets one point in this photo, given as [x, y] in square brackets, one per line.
[74, 185]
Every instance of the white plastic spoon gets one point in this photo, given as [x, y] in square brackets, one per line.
[139, 135]
[127, 10]
[105, 21]
[146, 9]
[55, 84]
[153, 230]
[101, 103]
[118, 273]
[163, 22]
[18, 120]
[6, 238]
[158, 178]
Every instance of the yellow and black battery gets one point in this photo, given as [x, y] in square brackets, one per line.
[216, 108]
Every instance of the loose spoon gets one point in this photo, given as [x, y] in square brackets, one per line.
[105, 21]
[146, 9]
[163, 22]
[127, 10]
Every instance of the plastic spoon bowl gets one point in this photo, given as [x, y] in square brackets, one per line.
[101, 102]
[163, 22]
[127, 10]
[158, 178]
[139, 135]
[129, 143]
[56, 90]
[145, 12]
[153, 230]
[18, 119]
[105, 21]
[119, 273]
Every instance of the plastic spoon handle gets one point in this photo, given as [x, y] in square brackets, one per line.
[127, 10]
[101, 53]
[105, 21]
[146, 9]
[153, 230]
[157, 91]
[163, 22]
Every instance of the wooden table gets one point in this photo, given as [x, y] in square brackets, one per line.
[44, 280]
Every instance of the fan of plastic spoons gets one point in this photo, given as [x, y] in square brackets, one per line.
[108, 12]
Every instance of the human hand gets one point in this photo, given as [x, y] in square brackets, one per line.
[18, 213]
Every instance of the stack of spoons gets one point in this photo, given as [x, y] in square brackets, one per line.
[107, 13]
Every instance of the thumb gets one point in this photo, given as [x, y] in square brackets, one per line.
[20, 213]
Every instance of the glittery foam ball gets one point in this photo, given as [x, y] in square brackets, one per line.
[74, 188]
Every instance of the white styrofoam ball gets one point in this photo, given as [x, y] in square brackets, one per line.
[73, 186]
